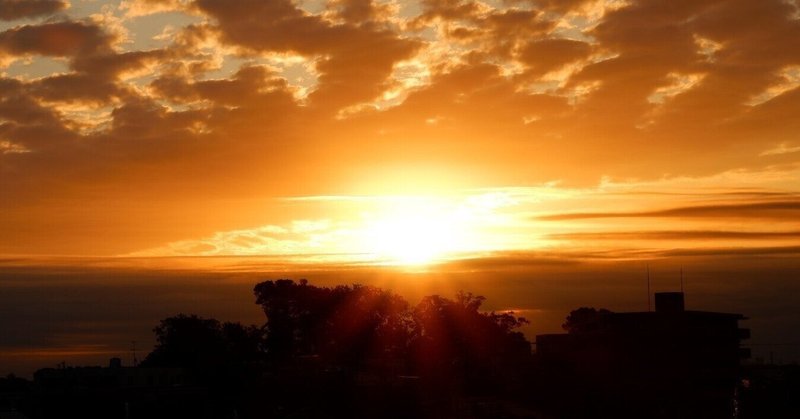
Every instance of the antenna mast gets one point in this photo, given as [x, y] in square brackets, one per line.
[648, 288]
[133, 352]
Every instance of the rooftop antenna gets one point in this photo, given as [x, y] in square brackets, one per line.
[648, 288]
[133, 351]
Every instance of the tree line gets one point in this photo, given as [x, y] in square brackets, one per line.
[329, 338]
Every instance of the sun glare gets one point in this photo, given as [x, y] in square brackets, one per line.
[414, 233]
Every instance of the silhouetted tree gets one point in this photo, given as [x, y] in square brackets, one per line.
[351, 325]
[225, 358]
[210, 350]
[187, 342]
[344, 324]
[584, 319]
[366, 344]
[456, 340]
[13, 384]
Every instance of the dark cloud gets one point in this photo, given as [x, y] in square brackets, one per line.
[551, 54]
[17, 108]
[775, 251]
[355, 11]
[18, 9]
[26, 121]
[559, 6]
[734, 48]
[75, 87]
[145, 120]
[514, 261]
[449, 9]
[787, 210]
[246, 86]
[60, 39]
[355, 60]
[677, 235]
[577, 256]
[490, 34]
[88, 47]
[111, 65]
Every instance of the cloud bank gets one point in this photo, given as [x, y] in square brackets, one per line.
[119, 132]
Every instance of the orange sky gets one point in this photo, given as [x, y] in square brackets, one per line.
[625, 129]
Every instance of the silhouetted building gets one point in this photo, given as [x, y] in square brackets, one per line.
[668, 363]
[117, 391]
[14, 393]
[769, 391]
[115, 376]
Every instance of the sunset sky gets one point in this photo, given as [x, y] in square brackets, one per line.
[410, 133]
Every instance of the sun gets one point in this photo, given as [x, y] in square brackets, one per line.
[419, 230]
[413, 233]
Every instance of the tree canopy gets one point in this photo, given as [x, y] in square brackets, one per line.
[348, 323]
[322, 338]
[223, 355]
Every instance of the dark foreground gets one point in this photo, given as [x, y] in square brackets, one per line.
[364, 352]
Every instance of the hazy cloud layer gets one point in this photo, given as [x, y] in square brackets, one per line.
[780, 209]
[678, 235]
[86, 311]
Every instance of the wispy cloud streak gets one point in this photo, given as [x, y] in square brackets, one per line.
[677, 235]
[779, 210]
